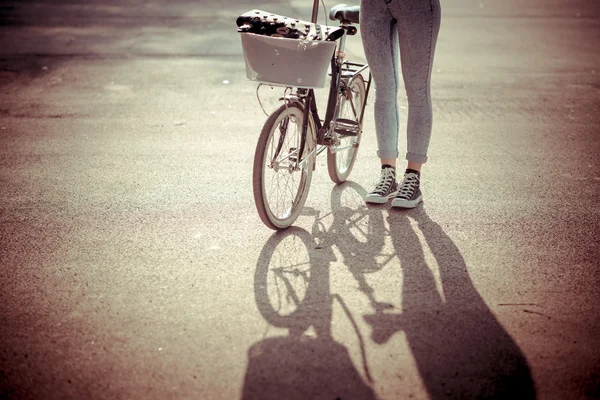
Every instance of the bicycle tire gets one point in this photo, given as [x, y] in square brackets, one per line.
[340, 163]
[273, 140]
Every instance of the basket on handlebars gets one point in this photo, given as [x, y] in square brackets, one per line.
[287, 62]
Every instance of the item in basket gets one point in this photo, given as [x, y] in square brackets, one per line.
[283, 30]
[267, 24]
[252, 25]
[275, 29]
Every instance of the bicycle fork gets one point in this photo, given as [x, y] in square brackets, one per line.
[295, 154]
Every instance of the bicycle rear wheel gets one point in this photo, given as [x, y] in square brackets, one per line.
[280, 183]
[340, 159]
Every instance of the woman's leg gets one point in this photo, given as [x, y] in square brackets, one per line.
[418, 26]
[418, 23]
[380, 42]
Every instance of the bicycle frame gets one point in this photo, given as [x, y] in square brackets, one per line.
[307, 96]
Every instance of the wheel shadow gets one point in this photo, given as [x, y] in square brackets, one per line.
[292, 292]
[460, 348]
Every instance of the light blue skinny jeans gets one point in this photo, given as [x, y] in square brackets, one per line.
[410, 27]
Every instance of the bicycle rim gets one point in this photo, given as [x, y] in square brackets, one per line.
[340, 159]
[280, 189]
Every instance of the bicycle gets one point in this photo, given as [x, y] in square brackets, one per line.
[294, 134]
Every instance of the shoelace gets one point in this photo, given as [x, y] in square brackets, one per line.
[385, 181]
[409, 185]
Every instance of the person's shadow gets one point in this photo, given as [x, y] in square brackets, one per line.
[460, 348]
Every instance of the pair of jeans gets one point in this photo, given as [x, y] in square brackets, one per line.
[409, 27]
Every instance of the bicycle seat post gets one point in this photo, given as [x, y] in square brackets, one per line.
[341, 47]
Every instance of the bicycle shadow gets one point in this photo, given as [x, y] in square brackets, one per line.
[298, 366]
[359, 232]
[460, 348]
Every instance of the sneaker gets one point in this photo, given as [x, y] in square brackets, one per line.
[385, 188]
[409, 195]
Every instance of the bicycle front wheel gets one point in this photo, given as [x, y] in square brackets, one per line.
[340, 159]
[282, 176]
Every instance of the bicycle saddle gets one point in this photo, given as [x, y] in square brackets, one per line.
[343, 12]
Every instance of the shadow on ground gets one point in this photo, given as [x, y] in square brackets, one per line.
[460, 348]
[292, 292]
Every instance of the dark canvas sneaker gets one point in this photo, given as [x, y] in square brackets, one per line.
[409, 195]
[386, 186]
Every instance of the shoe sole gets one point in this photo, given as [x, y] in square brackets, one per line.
[401, 203]
[379, 199]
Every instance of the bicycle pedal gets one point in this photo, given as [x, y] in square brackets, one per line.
[292, 158]
[346, 127]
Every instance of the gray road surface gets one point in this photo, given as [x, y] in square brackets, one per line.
[133, 264]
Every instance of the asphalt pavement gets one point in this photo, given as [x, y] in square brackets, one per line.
[133, 264]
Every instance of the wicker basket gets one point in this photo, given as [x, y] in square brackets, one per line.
[287, 62]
